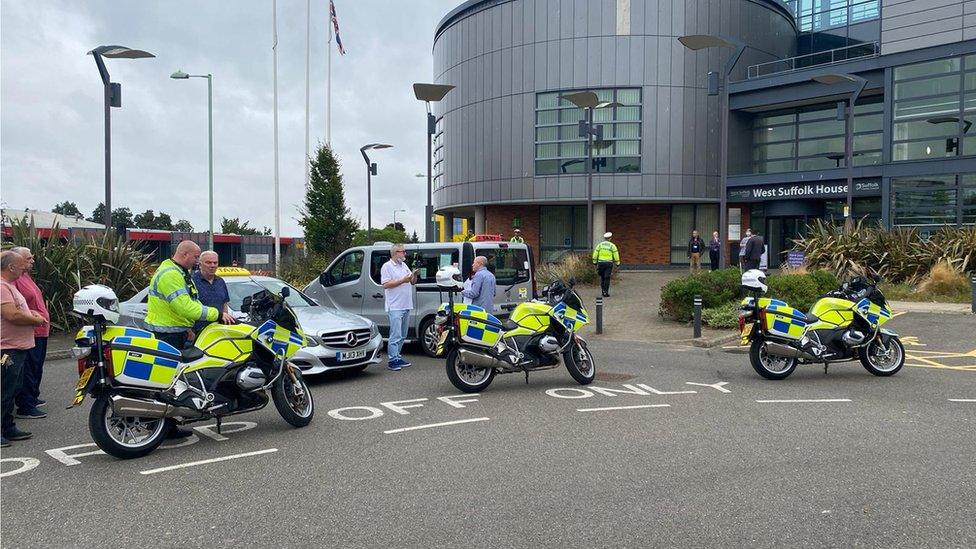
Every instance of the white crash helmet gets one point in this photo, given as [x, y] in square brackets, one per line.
[97, 301]
[755, 280]
[449, 277]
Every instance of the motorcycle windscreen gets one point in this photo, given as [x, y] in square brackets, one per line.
[876, 314]
[573, 319]
[144, 362]
[478, 326]
[785, 321]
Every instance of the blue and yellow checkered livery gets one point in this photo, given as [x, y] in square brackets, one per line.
[111, 332]
[784, 321]
[876, 314]
[477, 326]
[281, 341]
[144, 361]
[571, 318]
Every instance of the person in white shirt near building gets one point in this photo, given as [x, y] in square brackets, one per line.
[397, 280]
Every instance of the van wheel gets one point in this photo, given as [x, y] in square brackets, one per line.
[428, 337]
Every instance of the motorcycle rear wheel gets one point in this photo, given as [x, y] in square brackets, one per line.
[883, 362]
[294, 402]
[769, 367]
[579, 362]
[465, 377]
[124, 437]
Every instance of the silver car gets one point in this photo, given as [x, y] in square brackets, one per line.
[338, 340]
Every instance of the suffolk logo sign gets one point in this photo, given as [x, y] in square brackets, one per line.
[801, 190]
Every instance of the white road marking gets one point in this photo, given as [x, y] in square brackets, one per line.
[805, 400]
[623, 407]
[206, 461]
[428, 426]
[962, 400]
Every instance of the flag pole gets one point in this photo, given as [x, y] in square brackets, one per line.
[308, 53]
[328, 86]
[277, 216]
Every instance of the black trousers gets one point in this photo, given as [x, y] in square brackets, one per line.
[176, 339]
[12, 377]
[713, 257]
[30, 385]
[605, 269]
[750, 264]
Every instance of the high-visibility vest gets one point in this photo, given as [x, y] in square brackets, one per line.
[173, 305]
[606, 251]
[518, 240]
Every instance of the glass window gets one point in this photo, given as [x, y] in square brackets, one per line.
[776, 150]
[627, 113]
[919, 129]
[938, 67]
[508, 265]
[776, 133]
[347, 269]
[569, 132]
[686, 218]
[550, 133]
[776, 166]
[546, 117]
[572, 149]
[928, 107]
[928, 201]
[872, 158]
[428, 261]
[821, 128]
[549, 150]
[376, 261]
[867, 123]
[562, 230]
[629, 97]
[626, 131]
[627, 148]
[868, 141]
[546, 100]
[776, 119]
[927, 86]
[570, 115]
[921, 150]
[822, 146]
[250, 286]
[820, 162]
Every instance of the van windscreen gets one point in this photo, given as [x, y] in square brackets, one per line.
[509, 265]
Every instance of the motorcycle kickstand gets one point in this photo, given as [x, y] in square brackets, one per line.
[526, 376]
[825, 367]
[218, 424]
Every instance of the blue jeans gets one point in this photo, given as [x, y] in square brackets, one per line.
[30, 386]
[399, 324]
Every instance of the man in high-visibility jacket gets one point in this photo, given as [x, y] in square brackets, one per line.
[173, 303]
[604, 257]
[517, 239]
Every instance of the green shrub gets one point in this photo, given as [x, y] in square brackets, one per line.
[570, 266]
[824, 280]
[299, 270]
[724, 316]
[799, 291]
[715, 287]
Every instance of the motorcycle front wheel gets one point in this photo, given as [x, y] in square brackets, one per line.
[881, 360]
[465, 377]
[124, 437]
[579, 362]
[769, 366]
[293, 400]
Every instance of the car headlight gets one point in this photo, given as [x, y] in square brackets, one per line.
[312, 341]
[373, 330]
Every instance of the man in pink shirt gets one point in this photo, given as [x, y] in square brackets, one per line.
[17, 323]
[28, 397]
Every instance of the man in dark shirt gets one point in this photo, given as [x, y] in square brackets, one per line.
[695, 248]
[212, 289]
[754, 251]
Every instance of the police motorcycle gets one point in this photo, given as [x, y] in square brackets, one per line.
[844, 325]
[539, 335]
[143, 387]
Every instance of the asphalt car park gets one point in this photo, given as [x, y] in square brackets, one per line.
[670, 446]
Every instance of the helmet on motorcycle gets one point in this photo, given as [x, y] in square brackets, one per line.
[449, 277]
[755, 280]
[97, 301]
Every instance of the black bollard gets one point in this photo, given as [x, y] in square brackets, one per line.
[973, 280]
[599, 315]
[698, 306]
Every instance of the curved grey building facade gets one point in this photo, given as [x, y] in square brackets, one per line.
[507, 147]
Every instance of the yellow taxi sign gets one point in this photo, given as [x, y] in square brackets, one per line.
[233, 271]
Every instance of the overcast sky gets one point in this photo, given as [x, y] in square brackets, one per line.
[51, 113]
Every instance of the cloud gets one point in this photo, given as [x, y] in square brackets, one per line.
[51, 120]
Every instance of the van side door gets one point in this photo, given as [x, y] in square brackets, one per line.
[342, 283]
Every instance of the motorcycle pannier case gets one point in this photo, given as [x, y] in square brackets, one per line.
[785, 321]
[144, 361]
[478, 326]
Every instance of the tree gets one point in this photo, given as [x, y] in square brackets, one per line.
[149, 220]
[414, 238]
[183, 226]
[69, 209]
[398, 226]
[389, 234]
[120, 216]
[235, 226]
[328, 225]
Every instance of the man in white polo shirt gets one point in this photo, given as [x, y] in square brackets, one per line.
[397, 280]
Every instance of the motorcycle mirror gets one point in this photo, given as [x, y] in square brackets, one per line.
[285, 292]
[246, 304]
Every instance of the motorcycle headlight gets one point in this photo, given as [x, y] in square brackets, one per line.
[79, 353]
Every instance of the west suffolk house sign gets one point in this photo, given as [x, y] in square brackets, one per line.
[802, 190]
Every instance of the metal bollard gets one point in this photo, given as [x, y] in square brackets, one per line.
[698, 306]
[973, 280]
[599, 315]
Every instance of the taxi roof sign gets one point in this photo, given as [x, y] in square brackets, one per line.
[233, 271]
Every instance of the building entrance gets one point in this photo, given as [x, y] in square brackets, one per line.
[780, 234]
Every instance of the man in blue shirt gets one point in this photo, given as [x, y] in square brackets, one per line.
[212, 289]
[482, 292]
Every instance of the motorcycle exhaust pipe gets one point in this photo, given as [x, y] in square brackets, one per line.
[127, 406]
[479, 360]
[778, 349]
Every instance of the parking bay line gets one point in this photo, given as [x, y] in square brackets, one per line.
[608, 408]
[962, 400]
[430, 425]
[805, 400]
[206, 461]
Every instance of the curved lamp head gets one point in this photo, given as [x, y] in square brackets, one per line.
[179, 75]
[431, 92]
[838, 78]
[583, 99]
[702, 41]
[375, 146]
[120, 52]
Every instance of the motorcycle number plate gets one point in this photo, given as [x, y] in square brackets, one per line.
[85, 376]
[746, 330]
[441, 340]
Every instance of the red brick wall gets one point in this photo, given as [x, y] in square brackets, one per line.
[642, 232]
[498, 220]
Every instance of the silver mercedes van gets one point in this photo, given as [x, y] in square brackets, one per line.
[352, 281]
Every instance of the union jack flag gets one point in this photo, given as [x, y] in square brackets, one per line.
[335, 25]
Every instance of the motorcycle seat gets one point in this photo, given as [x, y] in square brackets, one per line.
[190, 354]
[811, 318]
[509, 324]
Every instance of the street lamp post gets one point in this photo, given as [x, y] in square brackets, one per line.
[428, 93]
[588, 101]
[832, 80]
[697, 42]
[180, 75]
[394, 216]
[370, 171]
[113, 98]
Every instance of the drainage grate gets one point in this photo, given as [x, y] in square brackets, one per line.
[612, 376]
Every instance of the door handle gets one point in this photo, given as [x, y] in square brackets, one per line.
[378, 295]
[357, 295]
